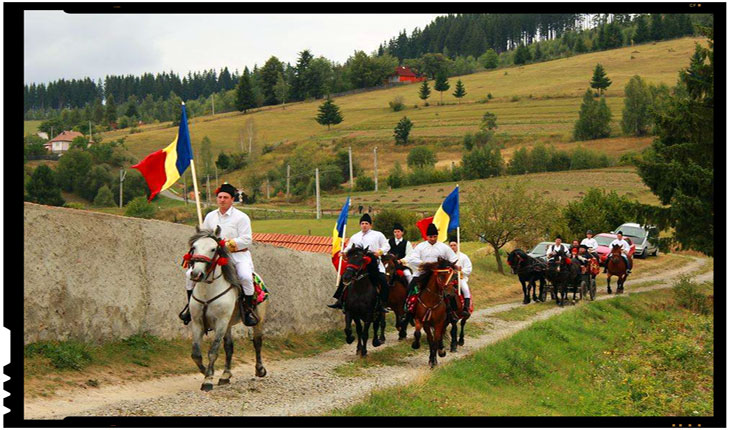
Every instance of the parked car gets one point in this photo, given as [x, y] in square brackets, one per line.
[539, 251]
[605, 239]
[640, 236]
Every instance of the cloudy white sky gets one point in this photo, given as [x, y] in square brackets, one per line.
[59, 45]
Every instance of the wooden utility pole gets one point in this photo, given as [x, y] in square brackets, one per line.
[213, 103]
[316, 181]
[216, 175]
[352, 185]
[268, 196]
[288, 176]
[122, 175]
[207, 181]
[375, 158]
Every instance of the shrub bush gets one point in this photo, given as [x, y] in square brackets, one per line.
[364, 183]
[428, 175]
[397, 105]
[104, 197]
[386, 218]
[63, 355]
[139, 208]
[688, 296]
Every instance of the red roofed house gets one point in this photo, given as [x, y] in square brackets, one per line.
[62, 142]
[404, 74]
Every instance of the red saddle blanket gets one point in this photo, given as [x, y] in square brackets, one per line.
[259, 289]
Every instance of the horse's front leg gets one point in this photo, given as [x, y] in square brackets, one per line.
[349, 338]
[433, 347]
[376, 326]
[228, 347]
[197, 355]
[461, 335]
[220, 332]
[416, 334]
[525, 292]
[438, 333]
[365, 334]
[608, 283]
[258, 341]
[542, 285]
[454, 330]
[382, 328]
[358, 329]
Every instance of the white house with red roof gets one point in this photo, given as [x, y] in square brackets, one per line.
[404, 74]
[62, 142]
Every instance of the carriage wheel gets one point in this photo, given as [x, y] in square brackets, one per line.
[593, 289]
[583, 289]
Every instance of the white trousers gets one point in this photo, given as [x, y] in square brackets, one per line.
[245, 275]
[465, 288]
[408, 274]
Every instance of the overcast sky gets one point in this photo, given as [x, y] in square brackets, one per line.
[58, 45]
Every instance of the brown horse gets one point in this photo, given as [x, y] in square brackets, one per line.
[616, 266]
[451, 291]
[398, 293]
[430, 308]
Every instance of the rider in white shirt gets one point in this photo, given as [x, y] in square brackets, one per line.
[591, 243]
[236, 231]
[625, 248]
[466, 268]
[554, 247]
[376, 243]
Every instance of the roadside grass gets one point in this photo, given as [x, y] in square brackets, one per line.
[660, 363]
[52, 366]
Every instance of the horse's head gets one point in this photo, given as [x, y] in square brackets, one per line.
[515, 259]
[390, 263]
[357, 260]
[206, 251]
[616, 251]
[443, 274]
[557, 260]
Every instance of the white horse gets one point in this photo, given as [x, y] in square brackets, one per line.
[213, 304]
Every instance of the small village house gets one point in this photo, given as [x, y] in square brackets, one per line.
[404, 75]
[62, 142]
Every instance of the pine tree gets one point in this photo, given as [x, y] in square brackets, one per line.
[402, 130]
[110, 113]
[424, 92]
[245, 98]
[281, 89]
[441, 84]
[580, 45]
[538, 53]
[657, 27]
[522, 55]
[593, 120]
[642, 30]
[329, 114]
[459, 91]
[491, 59]
[600, 81]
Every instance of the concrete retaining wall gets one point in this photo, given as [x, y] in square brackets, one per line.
[94, 277]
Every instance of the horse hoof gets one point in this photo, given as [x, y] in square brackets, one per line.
[350, 339]
[525, 301]
[376, 343]
[415, 345]
[261, 372]
[224, 381]
[461, 342]
[206, 386]
[401, 336]
[382, 339]
[442, 353]
[453, 349]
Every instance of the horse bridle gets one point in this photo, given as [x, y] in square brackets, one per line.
[441, 287]
[211, 262]
[358, 268]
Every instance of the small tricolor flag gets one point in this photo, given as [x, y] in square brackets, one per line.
[162, 168]
[338, 233]
[446, 217]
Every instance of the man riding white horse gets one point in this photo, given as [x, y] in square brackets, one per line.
[236, 231]
[625, 248]
[376, 243]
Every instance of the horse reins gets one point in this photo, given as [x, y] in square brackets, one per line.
[430, 309]
[207, 302]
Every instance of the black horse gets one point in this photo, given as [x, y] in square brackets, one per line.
[564, 274]
[529, 270]
[361, 298]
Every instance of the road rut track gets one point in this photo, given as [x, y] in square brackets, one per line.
[302, 386]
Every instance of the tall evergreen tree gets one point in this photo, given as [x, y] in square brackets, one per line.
[491, 59]
[600, 81]
[301, 84]
[637, 103]
[642, 30]
[657, 27]
[522, 55]
[679, 166]
[594, 119]
[110, 113]
[281, 89]
[245, 98]
[329, 114]
[441, 84]
[459, 91]
[269, 75]
[424, 92]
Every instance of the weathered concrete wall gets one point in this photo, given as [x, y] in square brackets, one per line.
[93, 276]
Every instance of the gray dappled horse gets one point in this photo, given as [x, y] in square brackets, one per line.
[213, 304]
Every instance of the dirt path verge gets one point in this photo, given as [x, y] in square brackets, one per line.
[304, 386]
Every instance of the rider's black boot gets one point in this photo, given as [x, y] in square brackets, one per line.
[467, 304]
[246, 309]
[185, 313]
[453, 307]
[338, 296]
[384, 293]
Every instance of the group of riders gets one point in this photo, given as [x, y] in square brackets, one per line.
[588, 247]
[236, 232]
[408, 260]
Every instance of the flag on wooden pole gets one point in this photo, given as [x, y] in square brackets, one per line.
[446, 217]
[338, 236]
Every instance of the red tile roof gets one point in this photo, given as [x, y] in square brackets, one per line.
[66, 136]
[404, 71]
[298, 242]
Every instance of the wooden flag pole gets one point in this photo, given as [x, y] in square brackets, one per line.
[342, 248]
[195, 180]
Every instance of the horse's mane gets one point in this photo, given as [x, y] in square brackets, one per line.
[358, 248]
[428, 268]
[229, 270]
[530, 262]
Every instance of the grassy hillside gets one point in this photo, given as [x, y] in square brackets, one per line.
[30, 127]
[533, 103]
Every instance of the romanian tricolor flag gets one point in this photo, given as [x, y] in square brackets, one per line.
[446, 217]
[338, 233]
[162, 168]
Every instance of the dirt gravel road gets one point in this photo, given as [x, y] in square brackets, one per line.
[303, 386]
